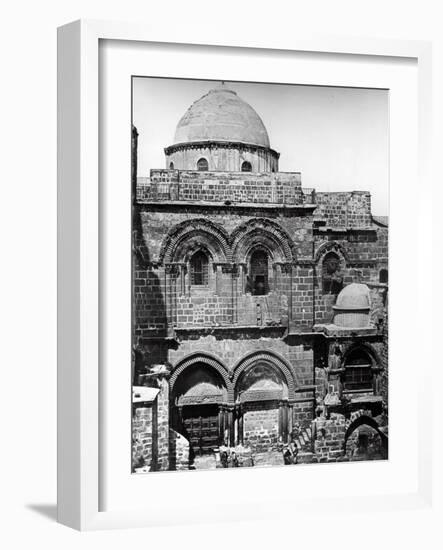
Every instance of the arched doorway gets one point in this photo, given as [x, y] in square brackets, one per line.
[197, 397]
[365, 441]
[261, 396]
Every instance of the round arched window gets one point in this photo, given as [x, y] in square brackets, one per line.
[199, 269]
[332, 281]
[246, 166]
[202, 165]
[259, 273]
[171, 166]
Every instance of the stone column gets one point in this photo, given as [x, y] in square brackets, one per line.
[240, 427]
[231, 432]
[182, 279]
[290, 418]
[218, 275]
[283, 420]
[242, 268]
[221, 424]
[276, 276]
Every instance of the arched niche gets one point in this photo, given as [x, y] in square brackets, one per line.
[261, 381]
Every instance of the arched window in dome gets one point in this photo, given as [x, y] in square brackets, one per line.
[202, 165]
[246, 166]
[258, 281]
[199, 269]
[383, 276]
[171, 166]
[358, 374]
[332, 281]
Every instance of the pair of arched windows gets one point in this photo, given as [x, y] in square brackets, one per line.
[203, 166]
[258, 279]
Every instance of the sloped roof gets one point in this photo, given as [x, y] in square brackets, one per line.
[381, 220]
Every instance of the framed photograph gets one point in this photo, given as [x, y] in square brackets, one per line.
[234, 283]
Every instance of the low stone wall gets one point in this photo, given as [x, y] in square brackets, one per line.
[143, 452]
[178, 451]
[330, 437]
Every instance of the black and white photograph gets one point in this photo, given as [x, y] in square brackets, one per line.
[259, 274]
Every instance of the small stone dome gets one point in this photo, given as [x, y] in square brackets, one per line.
[352, 307]
[353, 296]
[221, 115]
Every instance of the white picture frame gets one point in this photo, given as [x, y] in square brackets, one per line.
[80, 415]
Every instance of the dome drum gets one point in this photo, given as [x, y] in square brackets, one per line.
[353, 307]
[222, 156]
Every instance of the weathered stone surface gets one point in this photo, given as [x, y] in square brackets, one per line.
[310, 386]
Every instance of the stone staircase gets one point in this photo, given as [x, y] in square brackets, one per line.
[303, 440]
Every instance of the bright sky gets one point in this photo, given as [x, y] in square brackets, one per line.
[338, 138]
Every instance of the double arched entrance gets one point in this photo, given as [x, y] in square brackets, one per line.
[250, 404]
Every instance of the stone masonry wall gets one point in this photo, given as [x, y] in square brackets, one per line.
[230, 348]
[345, 209]
[367, 254]
[260, 428]
[159, 296]
[161, 428]
[330, 437]
[143, 446]
[184, 185]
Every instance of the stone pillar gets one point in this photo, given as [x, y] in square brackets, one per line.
[240, 426]
[143, 453]
[289, 267]
[283, 420]
[158, 378]
[276, 276]
[163, 424]
[242, 268]
[218, 276]
[290, 418]
[221, 424]
[171, 271]
[231, 430]
[182, 279]
[224, 424]
[234, 275]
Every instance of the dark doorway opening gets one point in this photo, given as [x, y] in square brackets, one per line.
[201, 428]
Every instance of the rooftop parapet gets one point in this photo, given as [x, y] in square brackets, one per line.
[225, 187]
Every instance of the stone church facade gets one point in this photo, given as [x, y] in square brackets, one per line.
[259, 306]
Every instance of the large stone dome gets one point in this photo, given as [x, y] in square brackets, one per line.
[221, 115]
